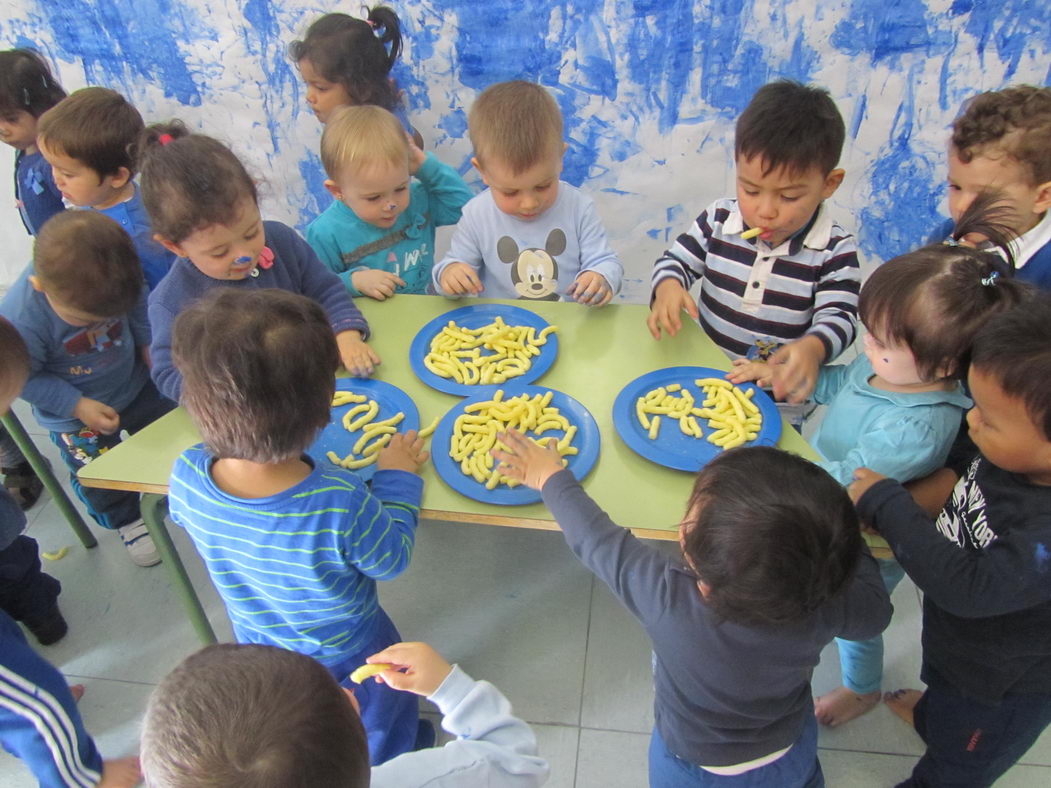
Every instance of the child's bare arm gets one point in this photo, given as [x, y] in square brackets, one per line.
[933, 491]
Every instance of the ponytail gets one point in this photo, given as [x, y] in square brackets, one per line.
[387, 27]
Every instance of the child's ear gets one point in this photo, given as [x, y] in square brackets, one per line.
[120, 180]
[34, 282]
[832, 181]
[481, 171]
[1043, 198]
[334, 190]
[174, 248]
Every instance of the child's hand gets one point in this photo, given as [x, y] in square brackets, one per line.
[460, 279]
[120, 773]
[418, 668]
[416, 155]
[375, 283]
[405, 452]
[526, 461]
[359, 359]
[794, 369]
[97, 415]
[669, 300]
[863, 480]
[591, 289]
[746, 371]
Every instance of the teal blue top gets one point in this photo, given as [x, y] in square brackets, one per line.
[901, 435]
[339, 236]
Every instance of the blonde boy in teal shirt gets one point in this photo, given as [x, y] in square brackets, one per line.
[378, 234]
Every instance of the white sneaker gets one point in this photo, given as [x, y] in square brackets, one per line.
[139, 543]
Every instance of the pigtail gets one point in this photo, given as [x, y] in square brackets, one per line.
[26, 83]
[387, 27]
[990, 217]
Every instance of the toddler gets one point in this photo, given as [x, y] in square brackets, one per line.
[773, 568]
[257, 716]
[789, 295]
[378, 234]
[81, 310]
[89, 139]
[982, 564]
[897, 408]
[1002, 142]
[27, 91]
[346, 62]
[294, 548]
[204, 208]
[529, 235]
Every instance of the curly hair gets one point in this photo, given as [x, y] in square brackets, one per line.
[1016, 120]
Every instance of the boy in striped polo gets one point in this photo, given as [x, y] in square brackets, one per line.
[294, 547]
[789, 295]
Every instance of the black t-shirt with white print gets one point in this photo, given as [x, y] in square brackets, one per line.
[984, 566]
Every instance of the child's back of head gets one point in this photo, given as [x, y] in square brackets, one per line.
[255, 717]
[352, 54]
[258, 371]
[359, 137]
[26, 84]
[515, 125]
[85, 262]
[771, 535]
[190, 181]
[96, 126]
[791, 126]
[934, 300]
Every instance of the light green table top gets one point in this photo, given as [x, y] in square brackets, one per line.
[600, 351]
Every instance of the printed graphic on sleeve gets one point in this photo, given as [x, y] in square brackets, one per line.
[963, 521]
[534, 272]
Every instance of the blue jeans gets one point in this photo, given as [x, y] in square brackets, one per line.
[110, 508]
[861, 661]
[970, 743]
[390, 716]
[797, 768]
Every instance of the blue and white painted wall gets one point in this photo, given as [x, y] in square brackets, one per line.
[649, 89]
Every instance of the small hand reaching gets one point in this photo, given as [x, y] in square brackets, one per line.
[591, 289]
[748, 371]
[375, 283]
[460, 279]
[405, 452]
[417, 668]
[669, 301]
[527, 462]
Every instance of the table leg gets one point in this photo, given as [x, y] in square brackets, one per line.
[51, 484]
[154, 507]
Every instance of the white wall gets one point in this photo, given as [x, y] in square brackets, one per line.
[650, 89]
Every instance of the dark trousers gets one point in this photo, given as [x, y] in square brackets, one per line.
[26, 594]
[110, 508]
[970, 743]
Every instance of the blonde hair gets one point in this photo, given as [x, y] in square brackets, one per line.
[361, 135]
[517, 123]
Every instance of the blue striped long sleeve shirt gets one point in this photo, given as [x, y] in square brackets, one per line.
[753, 295]
[299, 569]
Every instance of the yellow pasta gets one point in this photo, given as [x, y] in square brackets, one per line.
[732, 416]
[374, 434]
[475, 430]
[488, 355]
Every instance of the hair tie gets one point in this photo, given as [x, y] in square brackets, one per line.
[25, 96]
[990, 281]
[165, 138]
[950, 241]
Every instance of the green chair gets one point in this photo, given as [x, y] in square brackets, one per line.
[43, 470]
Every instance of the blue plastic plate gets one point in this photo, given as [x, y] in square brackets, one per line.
[335, 438]
[672, 448]
[587, 440]
[473, 317]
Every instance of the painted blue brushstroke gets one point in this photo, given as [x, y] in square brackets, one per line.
[454, 124]
[886, 29]
[902, 207]
[1014, 26]
[859, 115]
[317, 197]
[126, 42]
[265, 40]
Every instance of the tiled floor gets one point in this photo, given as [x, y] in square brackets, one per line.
[512, 606]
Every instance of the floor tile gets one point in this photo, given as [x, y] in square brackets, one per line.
[112, 713]
[880, 730]
[618, 674]
[610, 759]
[509, 604]
[845, 769]
[558, 745]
